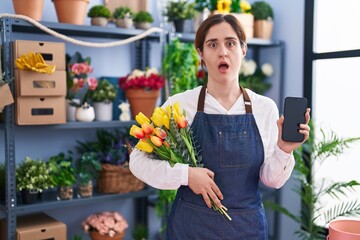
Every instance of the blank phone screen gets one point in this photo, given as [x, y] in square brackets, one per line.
[294, 114]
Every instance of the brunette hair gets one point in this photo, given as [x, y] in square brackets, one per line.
[217, 19]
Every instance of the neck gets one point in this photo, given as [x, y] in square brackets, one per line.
[225, 94]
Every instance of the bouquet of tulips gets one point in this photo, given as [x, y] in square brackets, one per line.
[168, 137]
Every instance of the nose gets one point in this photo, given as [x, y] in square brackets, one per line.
[222, 52]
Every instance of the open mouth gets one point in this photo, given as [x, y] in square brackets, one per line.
[223, 66]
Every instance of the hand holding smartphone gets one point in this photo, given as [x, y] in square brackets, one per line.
[294, 114]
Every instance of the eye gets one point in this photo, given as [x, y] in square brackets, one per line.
[230, 43]
[212, 44]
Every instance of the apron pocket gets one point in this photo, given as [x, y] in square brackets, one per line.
[234, 149]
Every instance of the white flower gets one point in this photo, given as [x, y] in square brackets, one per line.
[248, 67]
[136, 73]
[267, 69]
[151, 71]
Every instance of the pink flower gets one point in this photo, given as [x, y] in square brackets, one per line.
[105, 223]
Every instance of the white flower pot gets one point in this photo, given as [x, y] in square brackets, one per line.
[70, 110]
[85, 113]
[103, 111]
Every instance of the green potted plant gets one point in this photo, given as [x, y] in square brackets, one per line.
[254, 77]
[123, 17]
[143, 20]
[32, 177]
[180, 66]
[264, 16]
[314, 153]
[87, 169]
[102, 98]
[112, 149]
[62, 175]
[99, 15]
[178, 11]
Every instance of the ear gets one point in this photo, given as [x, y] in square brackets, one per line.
[201, 54]
[244, 49]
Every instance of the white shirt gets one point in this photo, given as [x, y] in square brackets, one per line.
[275, 170]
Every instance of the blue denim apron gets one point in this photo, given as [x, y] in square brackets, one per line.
[232, 148]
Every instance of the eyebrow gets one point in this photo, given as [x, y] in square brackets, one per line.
[227, 38]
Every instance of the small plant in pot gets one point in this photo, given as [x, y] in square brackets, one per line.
[99, 15]
[87, 169]
[123, 17]
[264, 16]
[32, 177]
[143, 20]
[62, 175]
[102, 98]
[178, 11]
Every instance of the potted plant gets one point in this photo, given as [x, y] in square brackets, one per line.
[142, 89]
[112, 149]
[123, 17]
[313, 153]
[79, 87]
[87, 169]
[180, 65]
[32, 9]
[99, 15]
[105, 225]
[102, 98]
[264, 16]
[242, 10]
[71, 11]
[254, 77]
[62, 175]
[143, 20]
[32, 177]
[202, 8]
[178, 11]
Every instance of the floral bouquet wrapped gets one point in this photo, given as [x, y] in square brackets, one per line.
[168, 137]
[106, 224]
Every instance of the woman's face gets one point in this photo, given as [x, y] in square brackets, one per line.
[222, 53]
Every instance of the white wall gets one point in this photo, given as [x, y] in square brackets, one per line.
[289, 27]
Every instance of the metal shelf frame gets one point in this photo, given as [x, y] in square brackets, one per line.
[140, 49]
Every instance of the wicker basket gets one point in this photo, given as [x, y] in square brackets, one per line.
[118, 179]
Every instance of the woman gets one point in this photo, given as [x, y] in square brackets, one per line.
[238, 132]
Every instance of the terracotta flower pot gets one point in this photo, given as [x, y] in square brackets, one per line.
[247, 21]
[33, 8]
[263, 29]
[97, 236]
[142, 101]
[344, 230]
[71, 11]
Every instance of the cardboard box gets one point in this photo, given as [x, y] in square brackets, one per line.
[135, 6]
[37, 227]
[29, 83]
[40, 110]
[52, 52]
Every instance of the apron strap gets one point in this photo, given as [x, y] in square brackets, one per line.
[201, 100]
[247, 101]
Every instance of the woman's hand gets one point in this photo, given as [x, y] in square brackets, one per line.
[304, 129]
[201, 181]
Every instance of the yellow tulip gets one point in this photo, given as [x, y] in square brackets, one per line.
[166, 120]
[157, 117]
[147, 128]
[156, 140]
[143, 145]
[141, 118]
[137, 132]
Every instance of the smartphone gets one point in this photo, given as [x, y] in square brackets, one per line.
[294, 114]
